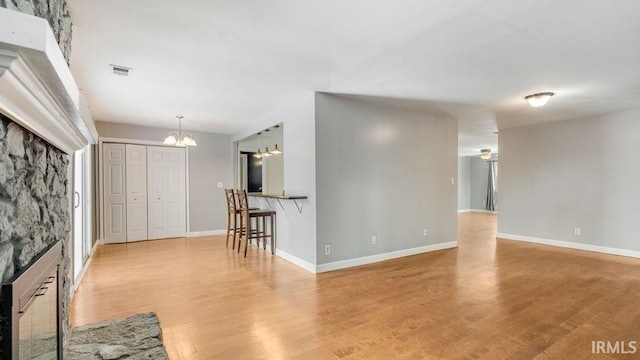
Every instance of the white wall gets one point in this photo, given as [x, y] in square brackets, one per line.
[464, 183]
[382, 171]
[274, 173]
[578, 173]
[296, 233]
[209, 163]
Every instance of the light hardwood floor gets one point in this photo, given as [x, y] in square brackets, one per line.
[487, 299]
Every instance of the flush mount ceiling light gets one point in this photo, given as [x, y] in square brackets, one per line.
[539, 99]
[485, 154]
[179, 137]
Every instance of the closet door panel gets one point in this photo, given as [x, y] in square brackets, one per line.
[166, 184]
[176, 197]
[116, 224]
[136, 192]
[114, 207]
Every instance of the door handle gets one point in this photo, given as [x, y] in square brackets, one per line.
[76, 199]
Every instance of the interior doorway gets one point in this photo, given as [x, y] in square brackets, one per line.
[251, 170]
[478, 184]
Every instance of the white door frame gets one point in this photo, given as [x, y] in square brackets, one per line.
[102, 140]
[87, 204]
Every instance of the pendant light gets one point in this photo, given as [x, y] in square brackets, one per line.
[275, 150]
[485, 154]
[179, 137]
[266, 152]
[258, 154]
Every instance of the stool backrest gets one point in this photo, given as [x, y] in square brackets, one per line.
[231, 201]
[243, 201]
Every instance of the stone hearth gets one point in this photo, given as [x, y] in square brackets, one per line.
[136, 337]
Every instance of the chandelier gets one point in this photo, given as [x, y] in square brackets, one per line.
[485, 154]
[179, 137]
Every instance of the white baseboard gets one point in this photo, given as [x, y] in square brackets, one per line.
[571, 245]
[465, 210]
[484, 211]
[206, 233]
[382, 257]
[297, 261]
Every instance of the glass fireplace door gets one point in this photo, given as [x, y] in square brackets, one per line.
[38, 324]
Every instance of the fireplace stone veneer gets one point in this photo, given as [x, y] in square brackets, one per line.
[34, 205]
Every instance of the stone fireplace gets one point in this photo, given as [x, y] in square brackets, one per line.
[43, 120]
[34, 215]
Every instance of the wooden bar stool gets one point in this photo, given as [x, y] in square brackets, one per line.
[232, 214]
[247, 231]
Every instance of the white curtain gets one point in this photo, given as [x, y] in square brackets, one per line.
[492, 195]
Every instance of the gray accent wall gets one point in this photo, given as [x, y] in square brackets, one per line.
[577, 173]
[209, 163]
[385, 172]
[478, 180]
[464, 183]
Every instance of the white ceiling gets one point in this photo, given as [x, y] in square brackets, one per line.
[225, 64]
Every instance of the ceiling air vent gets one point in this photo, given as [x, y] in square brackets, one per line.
[121, 70]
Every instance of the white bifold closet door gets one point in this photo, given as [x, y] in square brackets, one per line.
[136, 160]
[115, 196]
[166, 189]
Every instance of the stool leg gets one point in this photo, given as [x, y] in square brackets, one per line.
[264, 232]
[273, 234]
[235, 231]
[228, 228]
[247, 238]
[241, 231]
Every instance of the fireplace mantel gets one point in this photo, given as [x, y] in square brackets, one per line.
[37, 89]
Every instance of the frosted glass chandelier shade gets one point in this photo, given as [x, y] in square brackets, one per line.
[179, 137]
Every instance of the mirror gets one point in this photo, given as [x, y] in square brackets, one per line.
[261, 162]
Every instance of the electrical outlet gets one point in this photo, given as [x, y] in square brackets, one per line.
[220, 185]
[453, 181]
[327, 249]
[576, 231]
[426, 232]
[374, 240]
